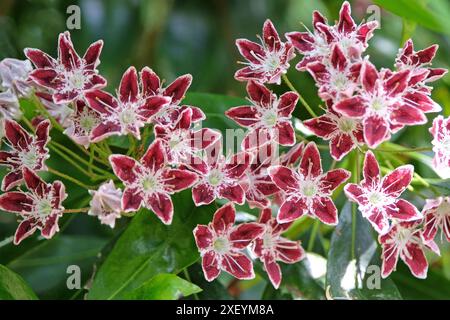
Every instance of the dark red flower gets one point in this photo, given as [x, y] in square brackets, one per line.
[436, 215]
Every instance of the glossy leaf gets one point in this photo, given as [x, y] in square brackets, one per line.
[13, 287]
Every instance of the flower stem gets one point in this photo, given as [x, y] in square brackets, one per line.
[302, 100]
[423, 149]
[69, 178]
[312, 237]
[80, 210]
[356, 176]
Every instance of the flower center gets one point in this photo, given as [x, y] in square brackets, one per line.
[309, 189]
[268, 241]
[44, 207]
[272, 62]
[215, 178]
[376, 199]
[149, 183]
[29, 158]
[76, 79]
[378, 105]
[339, 81]
[270, 118]
[87, 122]
[346, 125]
[221, 245]
[128, 116]
[444, 209]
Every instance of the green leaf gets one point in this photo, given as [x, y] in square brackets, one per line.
[44, 267]
[163, 287]
[417, 11]
[148, 247]
[350, 278]
[13, 287]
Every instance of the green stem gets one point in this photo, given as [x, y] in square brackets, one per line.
[80, 210]
[423, 149]
[302, 100]
[71, 179]
[356, 176]
[312, 237]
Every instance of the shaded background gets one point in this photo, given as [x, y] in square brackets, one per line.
[175, 37]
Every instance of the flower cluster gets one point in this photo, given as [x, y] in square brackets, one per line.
[169, 151]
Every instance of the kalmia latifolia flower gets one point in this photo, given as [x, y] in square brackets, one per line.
[316, 46]
[222, 177]
[149, 182]
[441, 146]
[268, 118]
[106, 203]
[69, 76]
[39, 208]
[380, 104]
[82, 122]
[129, 112]
[271, 247]
[436, 213]
[308, 189]
[183, 144]
[256, 181]
[344, 133]
[266, 62]
[378, 198]
[14, 75]
[405, 240]
[26, 151]
[221, 244]
[175, 91]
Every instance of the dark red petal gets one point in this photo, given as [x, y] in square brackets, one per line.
[375, 131]
[152, 105]
[287, 103]
[244, 115]
[404, 211]
[346, 23]
[302, 41]
[408, 115]
[390, 258]
[369, 76]
[333, 179]
[289, 251]
[203, 237]
[293, 155]
[249, 49]
[224, 218]
[322, 126]
[25, 229]
[11, 180]
[365, 30]
[155, 156]
[92, 54]
[353, 107]
[104, 130]
[311, 164]
[66, 53]
[45, 78]
[270, 36]
[378, 220]
[129, 86]
[234, 193]
[273, 271]
[355, 193]
[285, 133]
[238, 265]
[398, 180]
[325, 210]
[177, 89]
[371, 170]
[39, 58]
[203, 194]
[237, 165]
[150, 82]
[42, 132]
[34, 182]
[161, 204]
[16, 202]
[338, 59]
[427, 55]
[341, 145]
[50, 227]
[132, 200]
[291, 210]
[242, 235]
[176, 180]
[123, 167]
[397, 83]
[210, 266]
[319, 72]
[101, 101]
[66, 97]
[285, 178]
[204, 138]
[417, 262]
[259, 94]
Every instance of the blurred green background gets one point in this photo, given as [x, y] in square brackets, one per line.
[174, 37]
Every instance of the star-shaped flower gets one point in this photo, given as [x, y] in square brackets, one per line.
[69, 76]
[380, 104]
[26, 151]
[81, 123]
[149, 182]
[222, 177]
[404, 240]
[266, 62]
[176, 91]
[268, 117]
[129, 112]
[183, 144]
[344, 133]
[436, 213]
[441, 146]
[378, 198]
[317, 45]
[271, 247]
[308, 189]
[106, 203]
[221, 244]
[39, 208]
